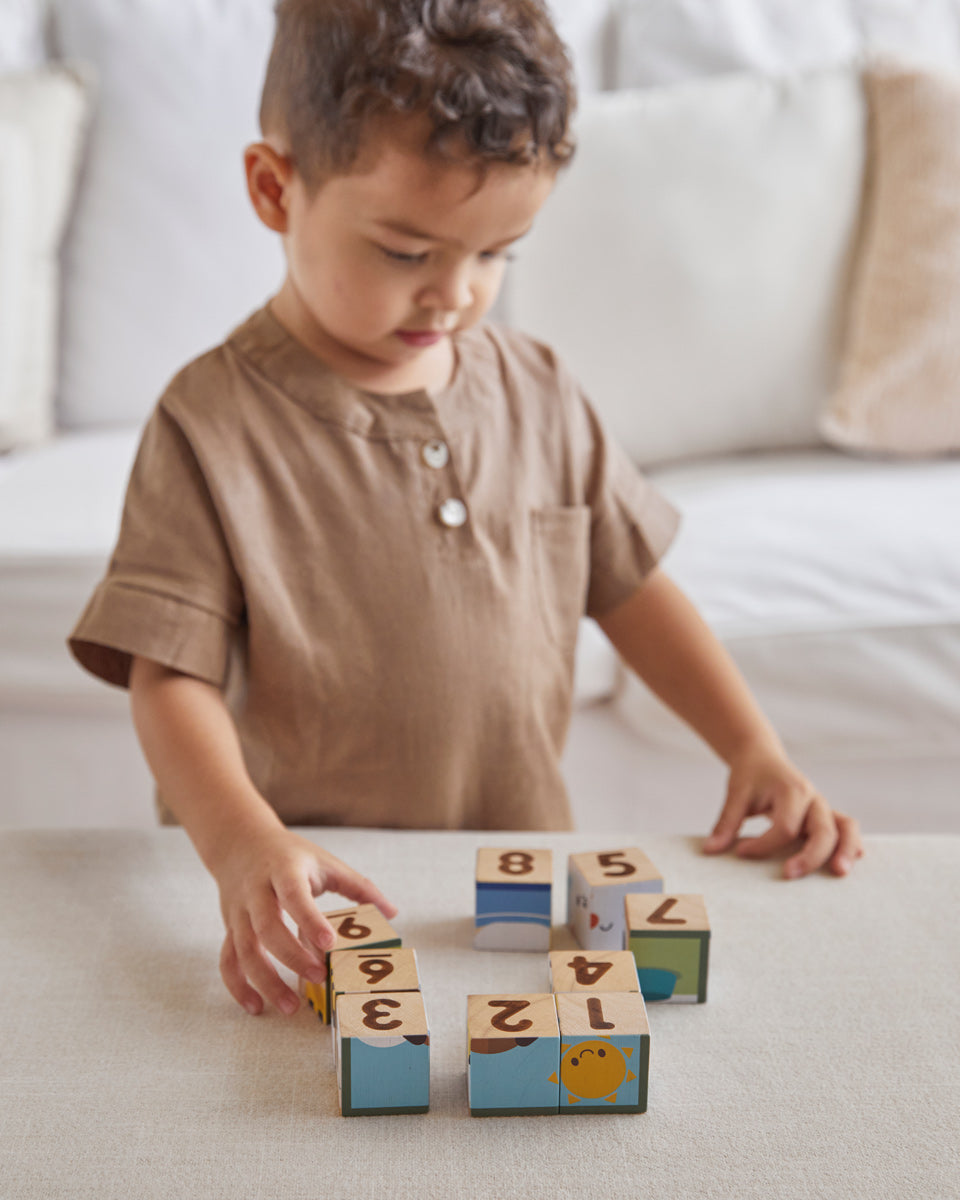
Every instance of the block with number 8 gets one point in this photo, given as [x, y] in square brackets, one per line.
[362, 926]
[597, 884]
[513, 899]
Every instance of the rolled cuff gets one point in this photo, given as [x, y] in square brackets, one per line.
[121, 621]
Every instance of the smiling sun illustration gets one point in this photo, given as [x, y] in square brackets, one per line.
[595, 1069]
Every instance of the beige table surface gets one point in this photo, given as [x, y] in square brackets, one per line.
[826, 1062]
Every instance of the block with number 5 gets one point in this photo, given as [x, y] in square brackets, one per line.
[513, 899]
[597, 885]
[382, 1050]
[362, 926]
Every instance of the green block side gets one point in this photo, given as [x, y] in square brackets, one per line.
[643, 1071]
[637, 939]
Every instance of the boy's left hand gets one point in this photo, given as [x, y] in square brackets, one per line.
[763, 782]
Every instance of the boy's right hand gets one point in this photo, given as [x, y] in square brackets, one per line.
[260, 877]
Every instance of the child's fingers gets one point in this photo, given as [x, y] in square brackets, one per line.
[268, 925]
[255, 967]
[728, 824]
[338, 877]
[297, 899]
[849, 845]
[235, 982]
[787, 817]
[821, 837]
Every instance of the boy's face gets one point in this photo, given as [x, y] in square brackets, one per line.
[387, 261]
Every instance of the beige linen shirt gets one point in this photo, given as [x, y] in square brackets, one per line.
[397, 577]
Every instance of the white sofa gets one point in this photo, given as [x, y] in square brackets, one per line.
[692, 267]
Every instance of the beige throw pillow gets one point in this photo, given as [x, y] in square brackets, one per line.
[42, 118]
[899, 383]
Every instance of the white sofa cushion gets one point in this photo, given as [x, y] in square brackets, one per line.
[662, 41]
[42, 116]
[165, 253]
[835, 582]
[691, 264]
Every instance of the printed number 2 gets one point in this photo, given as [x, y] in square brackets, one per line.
[617, 868]
[510, 1009]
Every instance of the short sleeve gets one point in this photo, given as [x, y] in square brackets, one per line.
[632, 524]
[171, 592]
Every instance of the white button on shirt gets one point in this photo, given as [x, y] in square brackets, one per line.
[435, 454]
[452, 513]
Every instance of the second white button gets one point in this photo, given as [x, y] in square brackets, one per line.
[452, 513]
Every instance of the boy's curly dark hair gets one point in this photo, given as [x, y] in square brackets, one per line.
[492, 77]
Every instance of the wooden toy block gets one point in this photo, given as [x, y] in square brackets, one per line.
[382, 1052]
[513, 1055]
[604, 1052]
[593, 971]
[513, 899]
[363, 926]
[597, 883]
[371, 971]
[669, 937]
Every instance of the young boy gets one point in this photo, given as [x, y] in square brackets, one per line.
[388, 516]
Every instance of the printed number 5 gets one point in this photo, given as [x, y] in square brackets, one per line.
[610, 860]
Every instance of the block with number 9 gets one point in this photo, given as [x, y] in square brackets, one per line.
[362, 926]
[597, 884]
[513, 899]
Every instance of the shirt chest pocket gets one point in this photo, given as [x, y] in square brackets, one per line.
[560, 538]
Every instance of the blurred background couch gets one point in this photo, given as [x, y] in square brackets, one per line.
[749, 265]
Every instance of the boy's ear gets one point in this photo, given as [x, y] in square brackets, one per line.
[269, 175]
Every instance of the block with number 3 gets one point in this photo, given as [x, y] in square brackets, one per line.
[382, 1051]
[513, 899]
[362, 926]
[597, 884]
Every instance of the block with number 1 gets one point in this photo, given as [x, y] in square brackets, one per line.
[598, 883]
[513, 899]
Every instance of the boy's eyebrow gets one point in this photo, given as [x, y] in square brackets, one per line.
[411, 231]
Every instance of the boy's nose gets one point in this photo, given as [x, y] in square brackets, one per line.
[451, 291]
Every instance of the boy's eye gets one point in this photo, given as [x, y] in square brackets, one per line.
[497, 255]
[400, 257]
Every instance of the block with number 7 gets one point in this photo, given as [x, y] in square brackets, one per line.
[597, 885]
[669, 937]
[362, 926]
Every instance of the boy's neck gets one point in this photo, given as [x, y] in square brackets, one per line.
[431, 371]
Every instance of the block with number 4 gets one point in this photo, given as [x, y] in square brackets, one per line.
[513, 899]
[596, 886]
[362, 926]
[382, 1051]
[593, 971]
[669, 937]
[604, 1052]
[513, 1055]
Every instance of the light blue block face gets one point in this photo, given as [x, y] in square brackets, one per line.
[512, 916]
[600, 1074]
[522, 1078]
[385, 1074]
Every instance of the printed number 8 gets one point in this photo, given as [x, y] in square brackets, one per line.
[516, 862]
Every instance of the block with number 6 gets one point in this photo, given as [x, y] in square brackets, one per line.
[382, 1050]
[513, 899]
[596, 886]
[362, 926]
[669, 937]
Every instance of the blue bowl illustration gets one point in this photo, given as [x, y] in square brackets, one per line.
[656, 983]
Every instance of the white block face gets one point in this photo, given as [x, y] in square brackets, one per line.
[597, 918]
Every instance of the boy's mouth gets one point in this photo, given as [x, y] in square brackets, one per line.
[420, 338]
